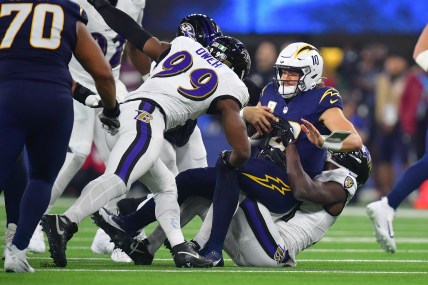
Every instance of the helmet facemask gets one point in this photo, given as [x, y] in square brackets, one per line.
[304, 59]
[286, 88]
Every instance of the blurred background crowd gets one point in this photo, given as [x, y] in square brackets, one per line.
[368, 59]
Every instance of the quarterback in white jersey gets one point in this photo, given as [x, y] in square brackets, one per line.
[206, 84]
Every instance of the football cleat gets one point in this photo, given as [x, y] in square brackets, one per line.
[119, 256]
[37, 241]
[8, 236]
[215, 257]
[185, 256]
[135, 249]
[382, 215]
[127, 206]
[59, 230]
[101, 243]
[16, 260]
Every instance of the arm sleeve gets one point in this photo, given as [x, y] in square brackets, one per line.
[125, 26]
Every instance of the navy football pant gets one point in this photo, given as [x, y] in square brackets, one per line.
[39, 116]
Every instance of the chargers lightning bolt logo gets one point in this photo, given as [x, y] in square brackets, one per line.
[331, 92]
[270, 182]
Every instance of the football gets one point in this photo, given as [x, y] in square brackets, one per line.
[253, 133]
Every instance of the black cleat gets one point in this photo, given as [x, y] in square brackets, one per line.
[59, 230]
[193, 244]
[127, 206]
[215, 257]
[185, 256]
[135, 249]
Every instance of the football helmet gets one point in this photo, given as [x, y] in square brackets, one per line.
[233, 53]
[199, 27]
[303, 59]
[359, 162]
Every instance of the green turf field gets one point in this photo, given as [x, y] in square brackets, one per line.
[347, 255]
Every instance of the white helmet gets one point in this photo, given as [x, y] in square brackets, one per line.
[304, 59]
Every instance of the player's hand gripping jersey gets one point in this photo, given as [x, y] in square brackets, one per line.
[309, 105]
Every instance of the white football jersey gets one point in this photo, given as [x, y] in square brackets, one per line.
[110, 42]
[187, 81]
[311, 222]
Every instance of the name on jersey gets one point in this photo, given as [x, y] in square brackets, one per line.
[204, 54]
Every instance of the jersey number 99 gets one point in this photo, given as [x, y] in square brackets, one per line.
[203, 80]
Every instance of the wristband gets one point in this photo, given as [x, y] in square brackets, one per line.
[334, 146]
[112, 113]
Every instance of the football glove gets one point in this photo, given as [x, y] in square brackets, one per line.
[284, 129]
[225, 157]
[274, 155]
[110, 119]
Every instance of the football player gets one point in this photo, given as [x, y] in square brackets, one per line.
[259, 236]
[382, 212]
[188, 81]
[296, 94]
[29, 119]
[86, 128]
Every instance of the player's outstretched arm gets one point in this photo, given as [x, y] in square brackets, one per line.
[335, 120]
[89, 54]
[235, 132]
[329, 194]
[125, 26]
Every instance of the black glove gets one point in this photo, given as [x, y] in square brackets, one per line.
[225, 157]
[284, 130]
[109, 119]
[85, 96]
[274, 155]
[99, 3]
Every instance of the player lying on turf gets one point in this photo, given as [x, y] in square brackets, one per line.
[257, 236]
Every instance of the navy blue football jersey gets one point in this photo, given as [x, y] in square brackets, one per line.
[37, 39]
[309, 105]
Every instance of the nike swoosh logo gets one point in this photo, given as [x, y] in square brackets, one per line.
[333, 101]
[57, 226]
[188, 253]
[216, 262]
[135, 249]
[390, 232]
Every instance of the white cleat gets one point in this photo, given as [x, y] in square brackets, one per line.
[37, 241]
[16, 260]
[382, 215]
[119, 256]
[9, 233]
[101, 243]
